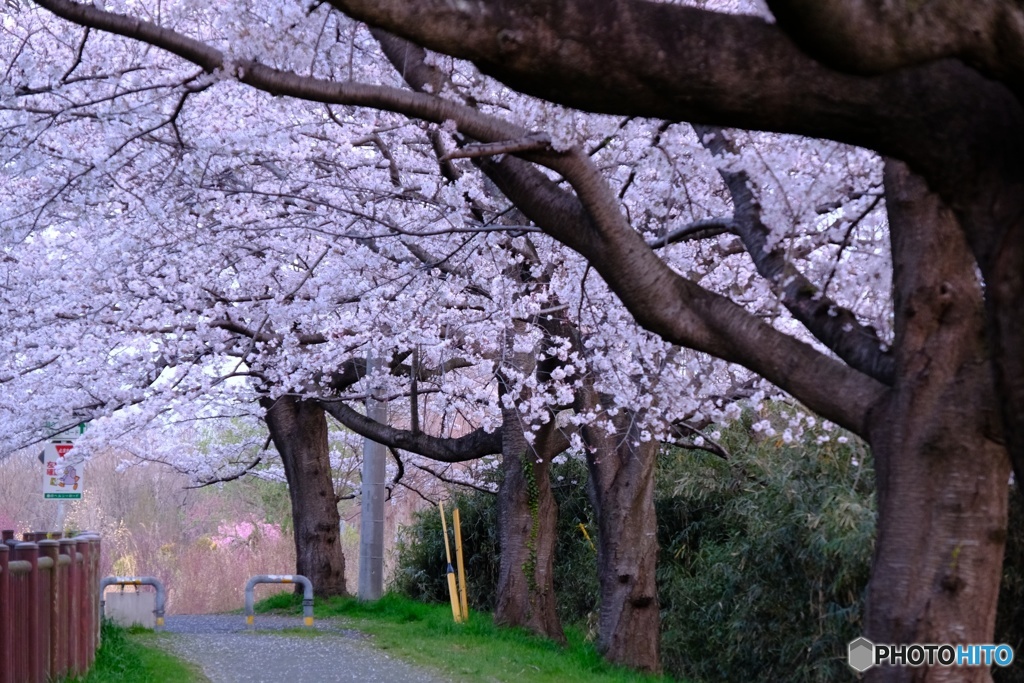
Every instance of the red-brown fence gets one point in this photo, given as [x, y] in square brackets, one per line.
[49, 606]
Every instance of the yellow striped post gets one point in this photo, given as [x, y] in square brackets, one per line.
[453, 591]
[463, 601]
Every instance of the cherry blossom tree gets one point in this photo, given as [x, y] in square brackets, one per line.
[904, 83]
[934, 93]
[616, 202]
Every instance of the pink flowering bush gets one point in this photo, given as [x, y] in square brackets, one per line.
[244, 533]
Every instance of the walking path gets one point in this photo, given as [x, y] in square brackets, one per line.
[229, 653]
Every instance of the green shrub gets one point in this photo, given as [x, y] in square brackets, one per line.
[421, 560]
[575, 571]
[132, 656]
[420, 572]
[764, 558]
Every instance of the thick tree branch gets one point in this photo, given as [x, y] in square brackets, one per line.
[835, 326]
[534, 142]
[476, 444]
[665, 60]
[398, 474]
[689, 437]
[702, 229]
[414, 396]
[662, 301]
[681, 311]
[862, 36]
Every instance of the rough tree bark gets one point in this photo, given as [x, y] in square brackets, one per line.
[527, 512]
[622, 492]
[941, 468]
[299, 431]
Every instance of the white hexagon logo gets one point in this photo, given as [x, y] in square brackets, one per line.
[862, 654]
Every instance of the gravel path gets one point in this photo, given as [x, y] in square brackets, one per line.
[228, 653]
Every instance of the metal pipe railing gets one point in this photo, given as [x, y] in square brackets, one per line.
[161, 594]
[307, 595]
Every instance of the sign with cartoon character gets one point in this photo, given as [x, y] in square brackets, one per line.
[63, 476]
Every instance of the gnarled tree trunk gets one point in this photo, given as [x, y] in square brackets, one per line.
[941, 468]
[299, 431]
[622, 490]
[527, 515]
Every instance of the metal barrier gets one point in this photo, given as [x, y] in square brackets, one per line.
[49, 611]
[307, 595]
[161, 594]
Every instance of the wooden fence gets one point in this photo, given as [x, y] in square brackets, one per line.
[49, 606]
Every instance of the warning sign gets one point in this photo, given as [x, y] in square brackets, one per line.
[63, 476]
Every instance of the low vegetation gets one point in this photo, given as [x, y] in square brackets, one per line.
[130, 656]
[477, 651]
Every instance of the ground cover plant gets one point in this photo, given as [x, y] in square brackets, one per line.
[477, 651]
[129, 656]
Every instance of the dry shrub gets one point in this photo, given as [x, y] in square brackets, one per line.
[153, 525]
[211, 578]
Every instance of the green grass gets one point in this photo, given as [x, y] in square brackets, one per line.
[126, 656]
[476, 651]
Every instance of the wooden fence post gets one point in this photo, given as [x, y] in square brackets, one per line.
[50, 549]
[6, 663]
[29, 552]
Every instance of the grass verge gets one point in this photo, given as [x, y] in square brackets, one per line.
[125, 656]
[475, 651]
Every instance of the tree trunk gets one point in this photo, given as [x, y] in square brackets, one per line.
[527, 516]
[941, 468]
[299, 431]
[1005, 287]
[622, 490]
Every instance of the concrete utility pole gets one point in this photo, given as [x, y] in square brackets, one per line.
[371, 524]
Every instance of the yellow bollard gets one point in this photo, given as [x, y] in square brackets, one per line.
[463, 601]
[453, 590]
[587, 536]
